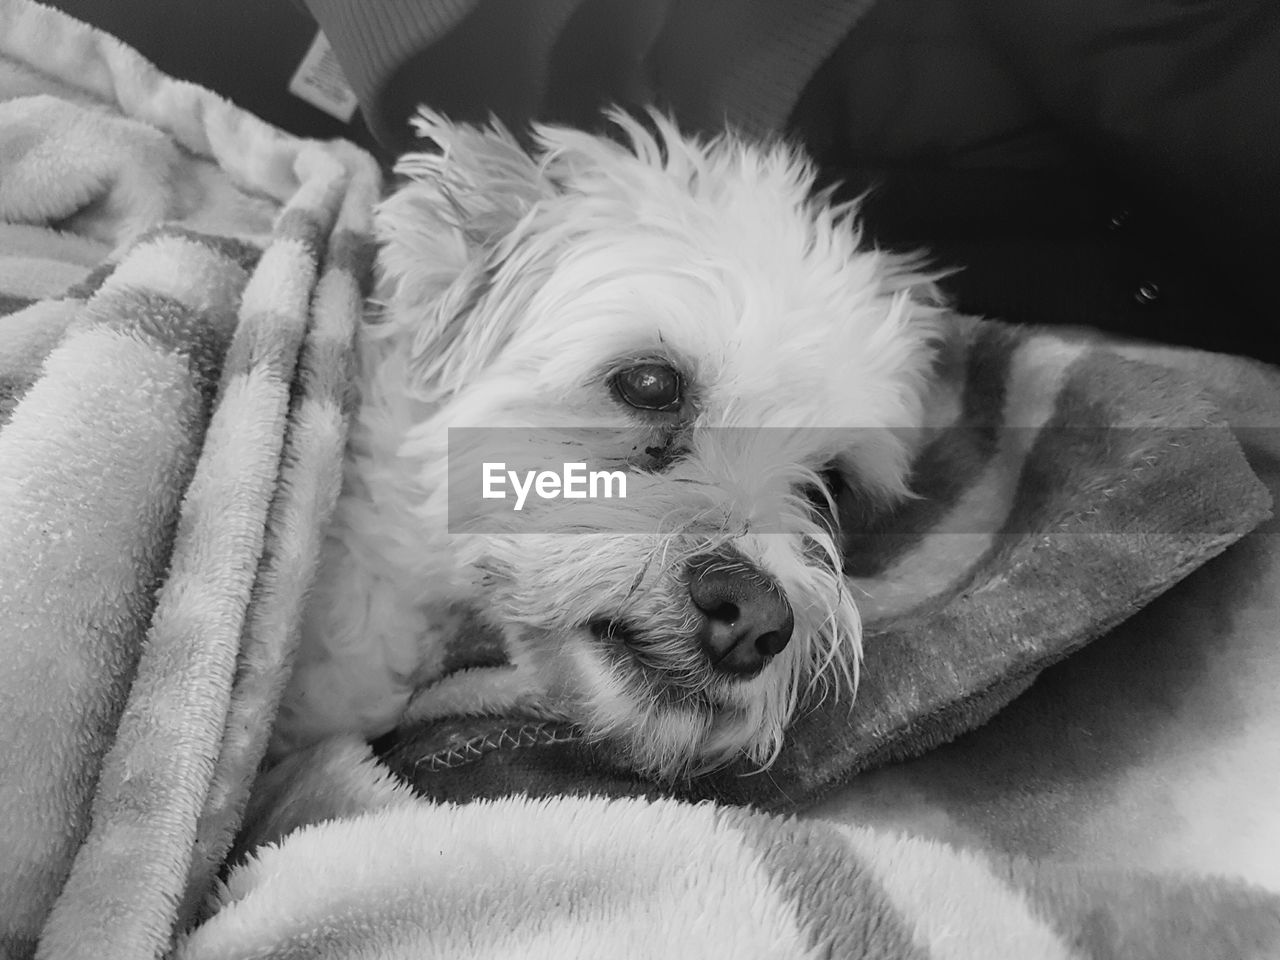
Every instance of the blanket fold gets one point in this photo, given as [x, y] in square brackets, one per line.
[175, 425]
[586, 876]
[180, 286]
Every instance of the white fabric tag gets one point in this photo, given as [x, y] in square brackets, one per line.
[319, 80]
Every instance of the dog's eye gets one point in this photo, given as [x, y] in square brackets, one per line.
[648, 386]
[826, 499]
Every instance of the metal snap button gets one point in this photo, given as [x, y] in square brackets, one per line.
[1147, 293]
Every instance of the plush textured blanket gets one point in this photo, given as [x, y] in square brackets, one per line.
[179, 287]
[587, 877]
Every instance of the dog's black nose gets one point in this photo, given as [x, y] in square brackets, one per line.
[745, 617]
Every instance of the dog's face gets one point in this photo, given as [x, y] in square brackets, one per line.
[688, 314]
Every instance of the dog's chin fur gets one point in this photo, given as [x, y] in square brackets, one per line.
[515, 284]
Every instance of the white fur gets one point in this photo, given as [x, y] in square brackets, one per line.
[514, 284]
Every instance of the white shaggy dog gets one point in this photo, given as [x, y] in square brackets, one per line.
[691, 313]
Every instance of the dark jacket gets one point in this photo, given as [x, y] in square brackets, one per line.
[1115, 164]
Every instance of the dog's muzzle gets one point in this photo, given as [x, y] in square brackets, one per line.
[745, 619]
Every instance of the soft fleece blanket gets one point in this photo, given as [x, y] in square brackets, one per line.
[179, 286]
[587, 877]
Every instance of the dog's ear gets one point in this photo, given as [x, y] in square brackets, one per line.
[442, 236]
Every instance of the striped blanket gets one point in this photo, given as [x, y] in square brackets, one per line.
[180, 286]
[179, 289]
[589, 877]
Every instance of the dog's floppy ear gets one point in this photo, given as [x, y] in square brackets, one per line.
[442, 236]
